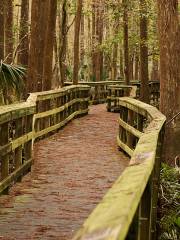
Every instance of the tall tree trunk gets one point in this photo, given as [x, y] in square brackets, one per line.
[131, 67]
[1, 30]
[23, 35]
[82, 40]
[170, 74]
[144, 78]
[121, 62]
[9, 31]
[99, 38]
[155, 69]
[126, 41]
[93, 39]
[63, 42]
[115, 50]
[136, 70]
[49, 43]
[76, 41]
[39, 24]
[33, 81]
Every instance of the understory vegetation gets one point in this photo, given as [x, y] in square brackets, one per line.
[169, 203]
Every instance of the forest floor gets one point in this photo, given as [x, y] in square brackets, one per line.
[72, 171]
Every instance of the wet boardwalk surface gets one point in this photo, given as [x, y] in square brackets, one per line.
[72, 171]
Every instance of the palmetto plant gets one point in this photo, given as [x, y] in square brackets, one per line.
[11, 77]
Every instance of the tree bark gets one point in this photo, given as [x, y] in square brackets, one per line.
[49, 43]
[23, 35]
[82, 52]
[63, 42]
[169, 36]
[9, 31]
[144, 78]
[1, 30]
[115, 50]
[93, 39]
[126, 41]
[76, 41]
[121, 62]
[35, 63]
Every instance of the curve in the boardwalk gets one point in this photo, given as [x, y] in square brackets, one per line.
[72, 171]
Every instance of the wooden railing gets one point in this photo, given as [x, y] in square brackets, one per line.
[20, 124]
[114, 92]
[99, 90]
[128, 210]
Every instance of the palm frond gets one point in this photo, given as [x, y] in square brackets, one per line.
[11, 76]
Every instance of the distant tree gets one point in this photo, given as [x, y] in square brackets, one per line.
[76, 41]
[9, 31]
[23, 47]
[63, 41]
[48, 49]
[144, 74]
[126, 40]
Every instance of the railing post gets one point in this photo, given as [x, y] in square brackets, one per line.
[28, 145]
[4, 136]
[155, 187]
[144, 213]
[18, 151]
[130, 121]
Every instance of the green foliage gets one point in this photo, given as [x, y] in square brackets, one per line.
[11, 77]
[169, 210]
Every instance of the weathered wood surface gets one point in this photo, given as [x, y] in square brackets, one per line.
[114, 92]
[128, 210]
[21, 124]
[99, 90]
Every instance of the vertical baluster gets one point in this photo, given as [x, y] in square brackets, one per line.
[28, 145]
[124, 118]
[155, 187]
[144, 213]
[18, 151]
[37, 124]
[130, 121]
[140, 120]
[4, 136]
[108, 99]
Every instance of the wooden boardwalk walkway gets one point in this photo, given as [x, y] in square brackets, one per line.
[72, 171]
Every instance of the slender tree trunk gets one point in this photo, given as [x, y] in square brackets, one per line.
[76, 41]
[131, 67]
[93, 39]
[48, 50]
[136, 71]
[121, 63]
[126, 41]
[115, 50]
[1, 30]
[99, 38]
[33, 82]
[170, 74]
[63, 42]
[9, 31]
[36, 52]
[144, 78]
[23, 35]
[155, 69]
[82, 40]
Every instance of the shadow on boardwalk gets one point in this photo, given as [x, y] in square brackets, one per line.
[72, 171]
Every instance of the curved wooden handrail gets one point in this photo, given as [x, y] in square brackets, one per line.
[128, 210]
[22, 123]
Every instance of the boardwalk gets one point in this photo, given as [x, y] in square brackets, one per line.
[72, 171]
